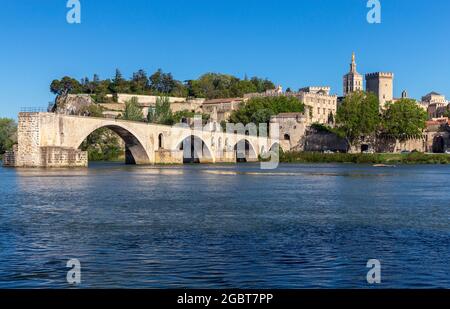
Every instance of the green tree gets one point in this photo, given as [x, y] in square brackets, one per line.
[132, 110]
[184, 114]
[8, 134]
[103, 145]
[330, 118]
[216, 85]
[92, 110]
[209, 85]
[65, 86]
[403, 119]
[358, 116]
[140, 82]
[162, 114]
[260, 109]
[262, 84]
[119, 84]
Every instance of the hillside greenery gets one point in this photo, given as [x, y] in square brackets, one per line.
[209, 85]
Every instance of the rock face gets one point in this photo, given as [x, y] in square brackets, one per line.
[72, 104]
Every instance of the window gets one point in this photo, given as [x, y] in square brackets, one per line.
[160, 141]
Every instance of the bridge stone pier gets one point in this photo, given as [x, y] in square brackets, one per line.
[53, 140]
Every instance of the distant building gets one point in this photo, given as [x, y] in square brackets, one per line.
[320, 105]
[352, 81]
[434, 97]
[404, 94]
[221, 109]
[268, 93]
[292, 128]
[320, 90]
[436, 104]
[382, 85]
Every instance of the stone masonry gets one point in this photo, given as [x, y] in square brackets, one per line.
[53, 140]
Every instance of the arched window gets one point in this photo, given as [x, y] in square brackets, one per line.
[160, 141]
[287, 137]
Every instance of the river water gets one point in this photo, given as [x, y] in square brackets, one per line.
[224, 226]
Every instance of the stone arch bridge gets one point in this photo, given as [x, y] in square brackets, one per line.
[53, 140]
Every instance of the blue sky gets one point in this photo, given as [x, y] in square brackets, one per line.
[295, 43]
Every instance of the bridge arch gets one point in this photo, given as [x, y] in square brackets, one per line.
[275, 147]
[195, 149]
[135, 152]
[245, 150]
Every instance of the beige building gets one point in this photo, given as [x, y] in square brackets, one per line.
[320, 105]
[436, 104]
[381, 84]
[292, 128]
[221, 109]
[352, 81]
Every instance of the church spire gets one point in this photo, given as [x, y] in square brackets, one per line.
[353, 64]
[353, 81]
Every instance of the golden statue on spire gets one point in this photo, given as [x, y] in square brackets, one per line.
[353, 57]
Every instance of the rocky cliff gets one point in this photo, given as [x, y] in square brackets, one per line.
[73, 104]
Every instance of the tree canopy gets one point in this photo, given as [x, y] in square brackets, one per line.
[210, 85]
[403, 118]
[358, 115]
[132, 110]
[162, 114]
[8, 134]
[260, 109]
[214, 86]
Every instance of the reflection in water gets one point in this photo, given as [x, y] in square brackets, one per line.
[225, 226]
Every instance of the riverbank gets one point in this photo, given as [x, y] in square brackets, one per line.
[363, 158]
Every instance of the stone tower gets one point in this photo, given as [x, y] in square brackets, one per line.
[353, 81]
[381, 84]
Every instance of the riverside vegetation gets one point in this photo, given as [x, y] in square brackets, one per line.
[363, 158]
